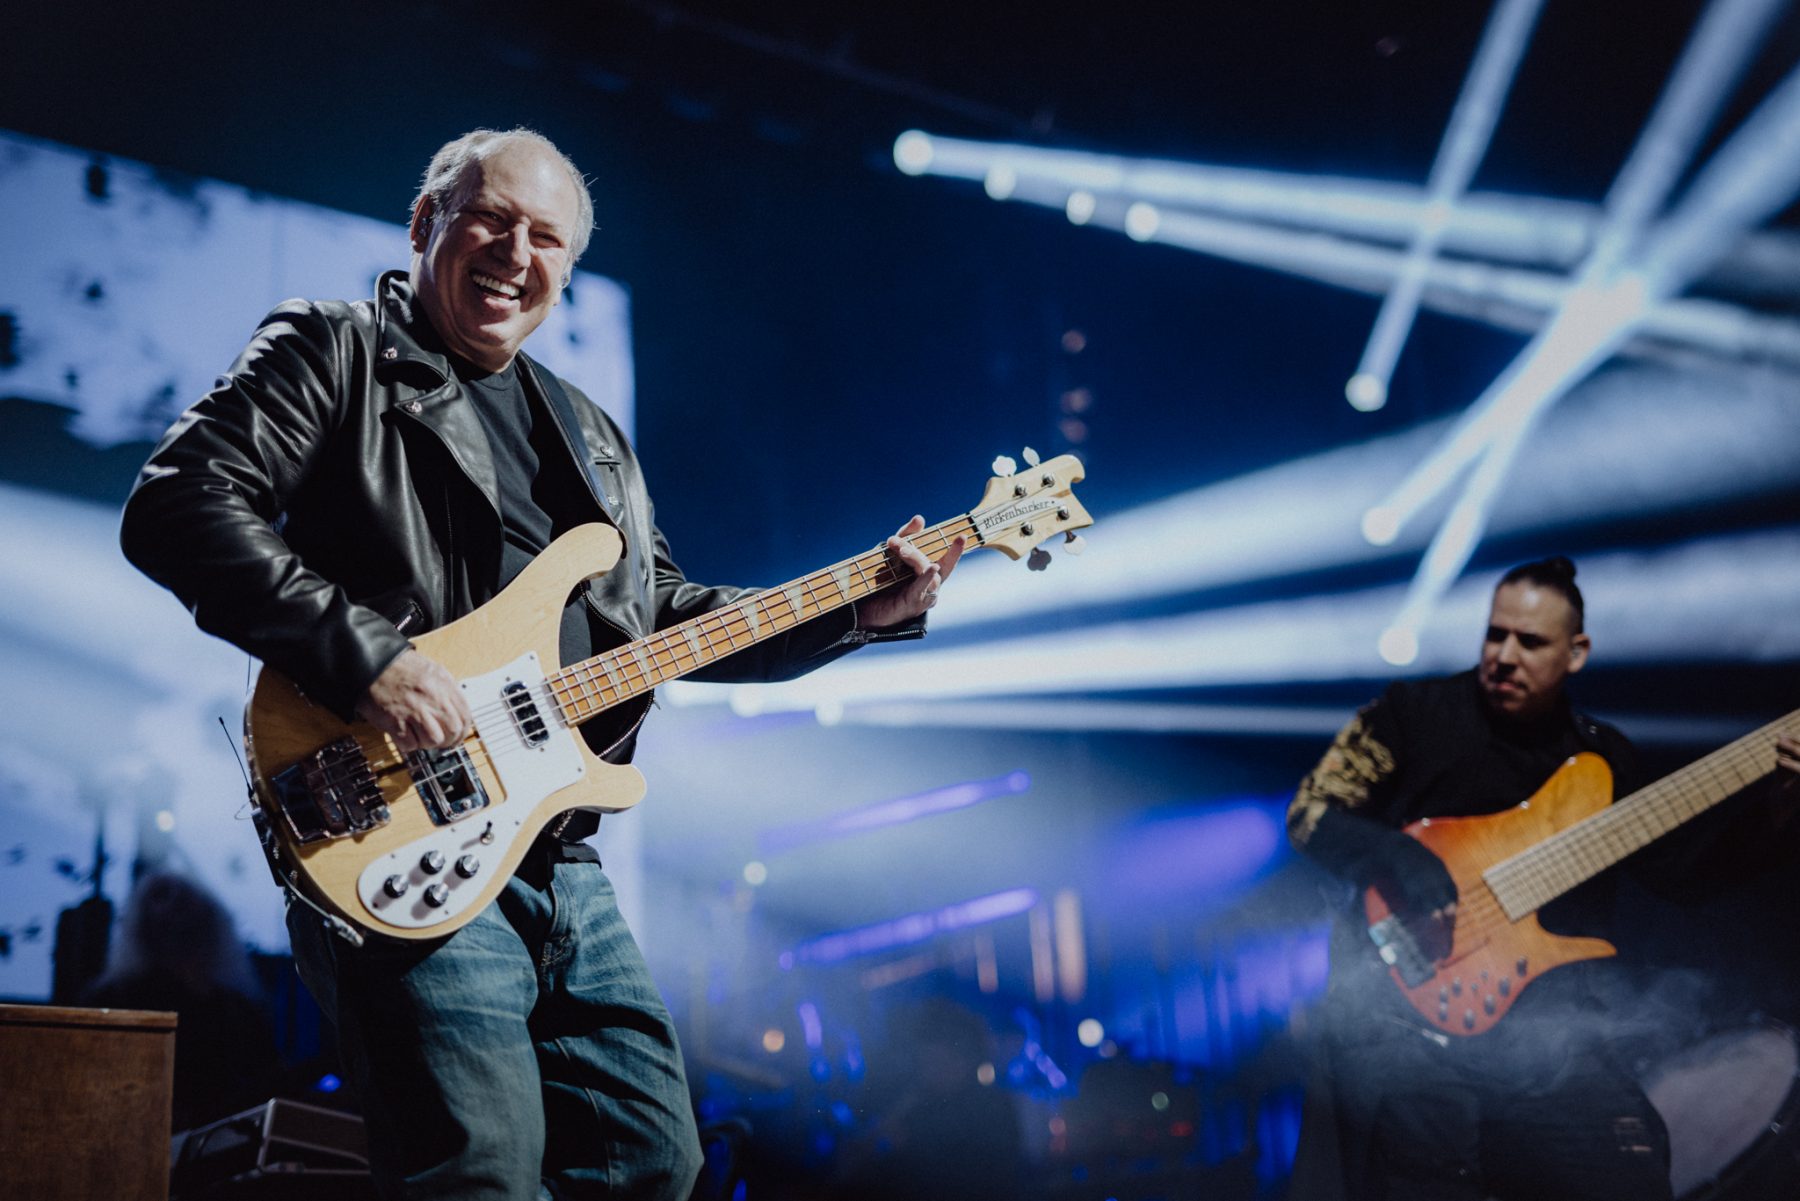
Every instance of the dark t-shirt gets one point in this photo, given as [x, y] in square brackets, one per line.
[541, 496]
[1453, 758]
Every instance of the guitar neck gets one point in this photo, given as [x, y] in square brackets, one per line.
[1533, 878]
[590, 687]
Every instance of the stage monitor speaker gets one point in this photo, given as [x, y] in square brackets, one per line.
[279, 1151]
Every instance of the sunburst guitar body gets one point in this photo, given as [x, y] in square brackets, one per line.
[1463, 973]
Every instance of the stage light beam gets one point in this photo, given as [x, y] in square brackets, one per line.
[1312, 226]
[1751, 178]
[911, 929]
[913, 152]
[1142, 221]
[1600, 311]
[1465, 141]
[1724, 599]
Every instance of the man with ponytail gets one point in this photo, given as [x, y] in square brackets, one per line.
[1539, 1106]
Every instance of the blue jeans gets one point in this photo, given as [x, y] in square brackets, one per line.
[527, 1056]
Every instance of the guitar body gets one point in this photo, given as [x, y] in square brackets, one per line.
[461, 821]
[1490, 960]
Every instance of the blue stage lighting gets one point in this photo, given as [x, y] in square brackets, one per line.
[1325, 227]
[1606, 300]
[893, 812]
[1630, 441]
[913, 928]
[913, 152]
[1214, 850]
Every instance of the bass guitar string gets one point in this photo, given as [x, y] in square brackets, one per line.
[734, 625]
[665, 649]
[1483, 914]
[732, 621]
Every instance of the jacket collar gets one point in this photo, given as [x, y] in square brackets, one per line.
[404, 336]
[404, 340]
[402, 330]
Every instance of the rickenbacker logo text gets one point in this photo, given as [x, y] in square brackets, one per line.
[1013, 514]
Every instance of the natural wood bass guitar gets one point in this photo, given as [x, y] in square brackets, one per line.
[1463, 975]
[415, 845]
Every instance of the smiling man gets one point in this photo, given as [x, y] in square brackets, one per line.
[370, 470]
[493, 247]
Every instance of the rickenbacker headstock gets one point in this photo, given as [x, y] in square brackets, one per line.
[1024, 507]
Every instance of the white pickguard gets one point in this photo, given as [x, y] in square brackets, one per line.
[527, 775]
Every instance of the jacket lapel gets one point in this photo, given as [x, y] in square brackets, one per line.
[562, 409]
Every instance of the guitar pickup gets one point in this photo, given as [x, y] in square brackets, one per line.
[1400, 950]
[447, 783]
[523, 708]
[331, 793]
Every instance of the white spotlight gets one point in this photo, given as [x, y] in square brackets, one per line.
[1380, 526]
[1080, 207]
[913, 152]
[1398, 645]
[1142, 221]
[1090, 1032]
[1366, 392]
[1000, 181]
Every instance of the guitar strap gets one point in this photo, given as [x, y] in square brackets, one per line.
[563, 410]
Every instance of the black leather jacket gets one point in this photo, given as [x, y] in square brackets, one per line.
[335, 492]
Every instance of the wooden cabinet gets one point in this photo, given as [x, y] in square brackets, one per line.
[86, 1103]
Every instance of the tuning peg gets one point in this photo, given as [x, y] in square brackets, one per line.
[1004, 466]
[1038, 559]
[1074, 543]
[1031, 456]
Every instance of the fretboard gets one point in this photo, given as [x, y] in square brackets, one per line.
[1532, 878]
[592, 686]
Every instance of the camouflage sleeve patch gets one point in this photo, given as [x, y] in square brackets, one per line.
[1356, 762]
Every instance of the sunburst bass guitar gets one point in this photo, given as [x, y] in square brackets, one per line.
[1463, 974]
[415, 845]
